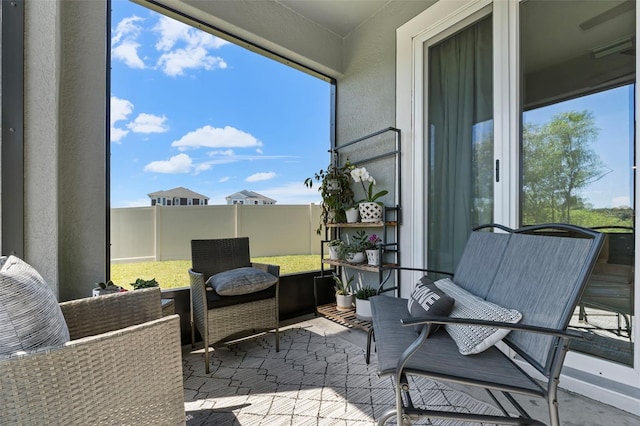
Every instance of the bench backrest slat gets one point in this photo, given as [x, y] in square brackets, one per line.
[542, 277]
[480, 261]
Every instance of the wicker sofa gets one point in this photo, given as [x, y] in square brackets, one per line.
[122, 366]
[217, 318]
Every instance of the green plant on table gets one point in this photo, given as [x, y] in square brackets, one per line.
[140, 283]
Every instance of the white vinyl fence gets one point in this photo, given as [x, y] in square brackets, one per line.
[158, 233]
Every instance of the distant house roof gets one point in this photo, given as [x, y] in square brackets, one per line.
[179, 192]
[244, 194]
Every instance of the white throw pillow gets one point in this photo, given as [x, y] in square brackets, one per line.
[29, 312]
[474, 339]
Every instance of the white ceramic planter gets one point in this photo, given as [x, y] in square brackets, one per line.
[333, 253]
[370, 212]
[344, 303]
[353, 215]
[358, 257]
[373, 257]
[363, 309]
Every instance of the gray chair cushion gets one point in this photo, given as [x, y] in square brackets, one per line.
[472, 339]
[29, 312]
[427, 298]
[240, 281]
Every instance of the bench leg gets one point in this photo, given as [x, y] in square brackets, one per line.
[369, 337]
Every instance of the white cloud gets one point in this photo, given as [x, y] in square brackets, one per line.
[127, 28]
[180, 163]
[212, 137]
[123, 44]
[293, 193]
[174, 63]
[259, 151]
[193, 50]
[228, 152]
[223, 179]
[120, 110]
[148, 123]
[172, 32]
[127, 52]
[257, 177]
[202, 167]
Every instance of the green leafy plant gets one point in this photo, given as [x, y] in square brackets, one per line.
[342, 287]
[140, 283]
[372, 242]
[357, 244]
[365, 293]
[335, 191]
[335, 243]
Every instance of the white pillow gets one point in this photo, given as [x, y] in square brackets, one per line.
[473, 339]
[29, 312]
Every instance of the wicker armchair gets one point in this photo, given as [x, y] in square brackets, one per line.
[220, 319]
[122, 366]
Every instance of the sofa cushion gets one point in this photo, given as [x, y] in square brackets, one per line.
[427, 298]
[475, 339]
[29, 312]
[245, 280]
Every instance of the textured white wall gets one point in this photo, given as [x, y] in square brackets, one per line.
[65, 113]
[42, 81]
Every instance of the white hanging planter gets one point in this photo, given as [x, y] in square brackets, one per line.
[370, 212]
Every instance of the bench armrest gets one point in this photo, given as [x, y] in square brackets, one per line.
[433, 319]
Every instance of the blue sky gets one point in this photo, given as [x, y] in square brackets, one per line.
[189, 109]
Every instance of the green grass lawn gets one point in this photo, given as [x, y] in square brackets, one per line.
[173, 273]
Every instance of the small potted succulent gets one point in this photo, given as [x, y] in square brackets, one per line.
[344, 298]
[334, 247]
[353, 251]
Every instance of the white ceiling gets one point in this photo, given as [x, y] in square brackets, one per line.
[338, 16]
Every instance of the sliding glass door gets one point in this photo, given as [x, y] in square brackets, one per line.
[459, 140]
[577, 149]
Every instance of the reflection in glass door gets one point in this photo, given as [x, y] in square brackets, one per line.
[459, 141]
[577, 155]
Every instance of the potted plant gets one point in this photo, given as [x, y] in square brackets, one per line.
[351, 212]
[335, 191]
[353, 251]
[370, 209]
[140, 283]
[344, 298]
[334, 246]
[372, 250]
[363, 306]
[107, 288]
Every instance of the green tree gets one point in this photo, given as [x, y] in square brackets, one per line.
[557, 162]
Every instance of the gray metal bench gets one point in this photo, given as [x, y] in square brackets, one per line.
[540, 271]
